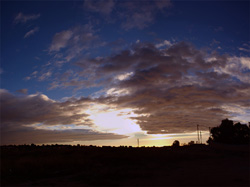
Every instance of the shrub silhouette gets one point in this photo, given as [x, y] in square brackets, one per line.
[230, 133]
[191, 143]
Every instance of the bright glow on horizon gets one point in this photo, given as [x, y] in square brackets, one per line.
[113, 121]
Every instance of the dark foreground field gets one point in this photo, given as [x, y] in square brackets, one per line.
[122, 166]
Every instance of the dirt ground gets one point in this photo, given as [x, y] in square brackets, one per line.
[196, 165]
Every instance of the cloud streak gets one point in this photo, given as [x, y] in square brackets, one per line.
[23, 18]
[31, 32]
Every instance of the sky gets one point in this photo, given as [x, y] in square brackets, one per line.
[109, 72]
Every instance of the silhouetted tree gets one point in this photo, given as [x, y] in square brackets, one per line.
[176, 143]
[230, 133]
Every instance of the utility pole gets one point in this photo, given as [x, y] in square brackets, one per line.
[200, 137]
[198, 134]
[138, 142]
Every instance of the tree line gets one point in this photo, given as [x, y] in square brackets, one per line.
[230, 133]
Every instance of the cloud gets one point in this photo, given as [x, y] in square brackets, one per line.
[22, 91]
[101, 6]
[38, 108]
[38, 136]
[244, 49]
[219, 29]
[245, 61]
[163, 4]
[65, 47]
[22, 18]
[138, 20]
[31, 32]
[140, 15]
[45, 76]
[163, 44]
[27, 118]
[172, 88]
[73, 41]
[237, 67]
[31, 76]
[60, 40]
[131, 14]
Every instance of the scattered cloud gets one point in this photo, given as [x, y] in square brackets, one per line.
[45, 76]
[60, 40]
[138, 20]
[166, 43]
[31, 32]
[27, 78]
[37, 58]
[22, 18]
[219, 29]
[22, 91]
[140, 15]
[131, 14]
[65, 47]
[74, 41]
[244, 49]
[101, 6]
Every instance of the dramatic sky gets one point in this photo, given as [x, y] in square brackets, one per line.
[108, 72]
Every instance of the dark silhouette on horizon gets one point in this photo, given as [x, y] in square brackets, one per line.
[79, 165]
[230, 133]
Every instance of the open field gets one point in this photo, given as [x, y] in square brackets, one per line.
[196, 165]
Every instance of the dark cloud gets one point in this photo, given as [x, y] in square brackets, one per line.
[38, 136]
[27, 119]
[22, 91]
[38, 108]
[173, 88]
